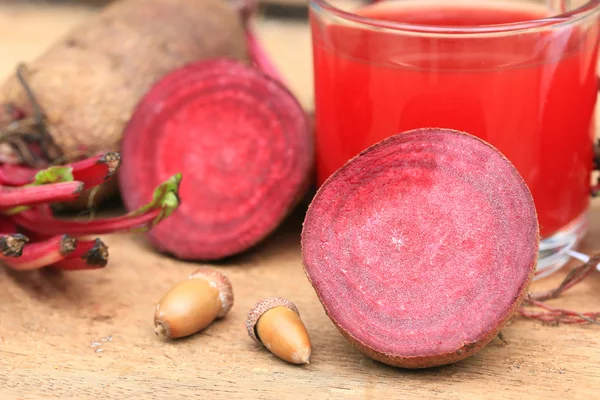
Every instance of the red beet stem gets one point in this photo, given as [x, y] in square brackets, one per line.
[95, 170]
[246, 8]
[16, 175]
[32, 195]
[35, 221]
[558, 315]
[85, 248]
[241, 139]
[259, 56]
[12, 244]
[165, 201]
[89, 254]
[42, 254]
[92, 171]
[8, 225]
[32, 235]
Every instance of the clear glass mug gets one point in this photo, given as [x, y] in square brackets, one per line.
[519, 74]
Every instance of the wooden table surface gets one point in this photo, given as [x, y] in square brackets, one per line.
[90, 334]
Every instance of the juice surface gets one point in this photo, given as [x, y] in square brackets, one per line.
[530, 95]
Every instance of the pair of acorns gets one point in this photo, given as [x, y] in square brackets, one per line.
[193, 304]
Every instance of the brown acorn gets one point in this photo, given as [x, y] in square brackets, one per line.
[193, 304]
[275, 323]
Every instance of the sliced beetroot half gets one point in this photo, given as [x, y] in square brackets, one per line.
[422, 247]
[242, 143]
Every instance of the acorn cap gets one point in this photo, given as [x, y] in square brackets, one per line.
[263, 306]
[221, 282]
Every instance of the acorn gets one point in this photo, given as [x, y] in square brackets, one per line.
[275, 323]
[193, 304]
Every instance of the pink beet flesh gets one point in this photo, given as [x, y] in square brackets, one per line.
[242, 143]
[422, 247]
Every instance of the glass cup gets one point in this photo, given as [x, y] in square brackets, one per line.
[518, 74]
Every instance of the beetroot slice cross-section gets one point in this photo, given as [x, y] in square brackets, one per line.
[242, 143]
[422, 247]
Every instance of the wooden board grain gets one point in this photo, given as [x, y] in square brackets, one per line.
[90, 334]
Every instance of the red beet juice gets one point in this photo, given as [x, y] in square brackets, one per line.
[530, 93]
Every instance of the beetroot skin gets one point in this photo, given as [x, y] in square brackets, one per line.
[422, 247]
[242, 143]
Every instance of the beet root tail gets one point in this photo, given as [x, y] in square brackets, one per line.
[555, 316]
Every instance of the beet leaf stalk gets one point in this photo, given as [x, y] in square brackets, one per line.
[260, 58]
[256, 51]
[42, 254]
[88, 254]
[165, 201]
[92, 172]
[13, 200]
